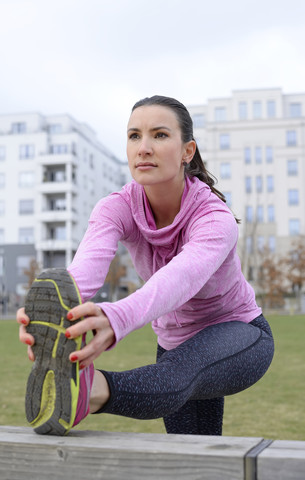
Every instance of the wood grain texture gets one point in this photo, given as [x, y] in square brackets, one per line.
[282, 460]
[115, 456]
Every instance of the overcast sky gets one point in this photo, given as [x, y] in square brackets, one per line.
[94, 59]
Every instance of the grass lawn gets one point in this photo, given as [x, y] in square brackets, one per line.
[273, 408]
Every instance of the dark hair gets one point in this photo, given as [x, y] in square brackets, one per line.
[196, 167]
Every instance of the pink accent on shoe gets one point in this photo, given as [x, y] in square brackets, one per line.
[85, 384]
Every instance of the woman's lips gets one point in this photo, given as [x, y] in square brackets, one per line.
[145, 166]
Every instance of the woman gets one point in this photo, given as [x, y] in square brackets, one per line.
[212, 337]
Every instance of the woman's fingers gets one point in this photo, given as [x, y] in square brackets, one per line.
[98, 344]
[25, 337]
[31, 354]
[96, 321]
[21, 317]
[83, 310]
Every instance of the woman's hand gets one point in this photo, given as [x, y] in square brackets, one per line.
[94, 320]
[25, 337]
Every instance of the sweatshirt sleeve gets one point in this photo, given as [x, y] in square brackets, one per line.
[109, 222]
[210, 240]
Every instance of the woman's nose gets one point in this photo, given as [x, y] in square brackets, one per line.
[145, 147]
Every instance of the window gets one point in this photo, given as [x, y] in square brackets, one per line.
[257, 109]
[2, 207]
[198, 120]
[293, 197]
[2, 152]
[249, 214]
[271, 109]
[260, 243]
[224, 141]
[247, 155]
[225, 170]
[1, 236]
[198, 143]
[26, 179]
[258, 154]
[2, 180]
[292, 167]
[220, 114]
[19, 127]
[26, 235]
[270, 183]
[26, 206]
[250, 273]
[228, 196]
[271, 243]
[269, 154]
[91, 159]
[58, 232]
[249, 244]
[22, 264]
[91, 186]
[260, 214]
[243, 110]
[294, 226]
[295, 110]
[259, 183]
[248, 184]
[58, 204]
[291, 138]
[55, 128]
[271, 213]
[54, 176]
[26, 151]
[59, 149]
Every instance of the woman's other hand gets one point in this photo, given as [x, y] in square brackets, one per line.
[25, 337]
[94, 320]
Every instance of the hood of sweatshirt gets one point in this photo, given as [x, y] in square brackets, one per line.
[195, 194]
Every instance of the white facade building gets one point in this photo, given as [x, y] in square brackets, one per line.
[52, 172]
[254, 143]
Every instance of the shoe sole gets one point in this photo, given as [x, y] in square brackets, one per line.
[53, 384]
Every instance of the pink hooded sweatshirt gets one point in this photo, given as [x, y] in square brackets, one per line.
[191, 270]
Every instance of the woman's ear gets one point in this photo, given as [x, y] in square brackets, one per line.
[189, 151]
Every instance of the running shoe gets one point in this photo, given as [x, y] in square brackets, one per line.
[54, 401]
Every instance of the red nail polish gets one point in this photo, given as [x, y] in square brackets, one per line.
[28, 342]
[73, 358]
[23, 321]
[67, 334]
[69, 316]
[81, 367]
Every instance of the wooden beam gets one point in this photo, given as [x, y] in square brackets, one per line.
[282, 460]
[84, 455]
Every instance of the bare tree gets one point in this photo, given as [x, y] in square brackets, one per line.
[295, 266]
[31, 273]
[116, 271]
[271, 280]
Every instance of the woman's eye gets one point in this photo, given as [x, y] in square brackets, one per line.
[161, 135]
[133, 136]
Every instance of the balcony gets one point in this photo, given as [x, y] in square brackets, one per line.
[57, 159]
[53, 215]
[50, 187]
[51, 244]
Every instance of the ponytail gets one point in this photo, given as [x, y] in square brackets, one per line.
[196, 168]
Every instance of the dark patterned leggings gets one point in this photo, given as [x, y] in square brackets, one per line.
[187, 384]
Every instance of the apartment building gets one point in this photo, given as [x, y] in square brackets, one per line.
[53, 170]
[254, 143]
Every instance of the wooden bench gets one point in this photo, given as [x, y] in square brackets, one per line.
[86, 455]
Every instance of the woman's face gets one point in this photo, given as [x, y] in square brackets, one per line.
[155, 149]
